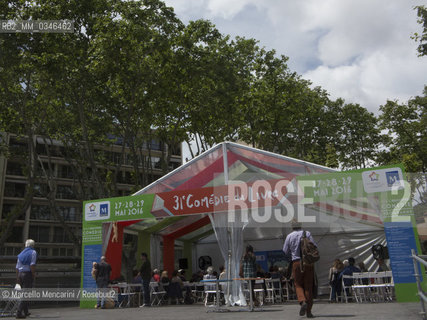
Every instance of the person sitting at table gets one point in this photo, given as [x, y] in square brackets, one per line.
[156, 276]
[175, 288]
[209, 276]
[164, 283]
[181, 274]
[362, 268]
[136, 277]
[348, 271]
[164, 277]
[197, 277]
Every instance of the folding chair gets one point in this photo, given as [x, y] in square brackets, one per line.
[382, 286]
[277, 287]
[390, 285]
[347, 289]
[259, 291]
[286, 290]
[210, 291]
[157, 294]
[198, 291]
[361, 290]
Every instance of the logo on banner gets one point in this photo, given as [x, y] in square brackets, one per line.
[392, 178]
[382, 180]
[374, 176]
[97, 211]
[103, 210]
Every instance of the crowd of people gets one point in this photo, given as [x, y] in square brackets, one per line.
[177, 292]
[299, 274]
[348, 267]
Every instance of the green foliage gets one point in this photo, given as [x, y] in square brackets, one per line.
[406, 126]
[359, 136]
[133, 71]
[422, 38]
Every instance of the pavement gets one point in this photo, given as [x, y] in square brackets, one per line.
[285, 311]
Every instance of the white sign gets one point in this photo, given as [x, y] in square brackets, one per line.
[382, 180]
[97, 211]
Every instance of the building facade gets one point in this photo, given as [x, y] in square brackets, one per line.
[57, 253]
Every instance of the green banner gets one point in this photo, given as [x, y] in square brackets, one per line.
[97, 212]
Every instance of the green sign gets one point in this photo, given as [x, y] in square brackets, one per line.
[97, 212]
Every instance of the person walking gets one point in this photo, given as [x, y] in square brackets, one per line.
[25, 274]
[303, 277]
[145, 272]
[102, 278]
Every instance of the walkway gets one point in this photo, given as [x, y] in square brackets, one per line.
[288, 311]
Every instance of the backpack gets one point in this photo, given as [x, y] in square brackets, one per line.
[188, 298]
[309, 252]
[379, 252]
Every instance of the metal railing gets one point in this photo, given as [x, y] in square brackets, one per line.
[423, 296]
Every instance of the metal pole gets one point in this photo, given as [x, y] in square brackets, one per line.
[420, 290]
[229, 235]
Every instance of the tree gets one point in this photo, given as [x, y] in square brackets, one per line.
[37, 86]
[359, 137]
[422, 38]
[406, 126]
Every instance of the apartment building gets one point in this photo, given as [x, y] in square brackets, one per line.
[58, 255]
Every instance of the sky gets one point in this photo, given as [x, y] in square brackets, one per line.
[359, 50]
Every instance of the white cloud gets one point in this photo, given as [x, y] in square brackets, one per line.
[359, 50]
[373, 80]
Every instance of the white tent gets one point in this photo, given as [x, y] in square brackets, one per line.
[340, 229]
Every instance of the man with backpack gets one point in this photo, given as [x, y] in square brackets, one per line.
[302, 271]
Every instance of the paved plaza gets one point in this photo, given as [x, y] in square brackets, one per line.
[321, 310]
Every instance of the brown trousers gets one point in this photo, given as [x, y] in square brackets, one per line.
[303, 283]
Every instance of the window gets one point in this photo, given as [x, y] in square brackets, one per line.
[39, 190]
[70, 252]
[39, 233]
[60, 236]
[67, 172]
[14, 168]
[41, 149]
[65, 192]
[16, 190]
[128, 178]
[40, 212]
[17, 146]
[43, 252]
[62, 252]
[156, 145]
[15, 235]
[69, 213]
[155, 162]
[115, 157]
[11, 251]
[6, 209]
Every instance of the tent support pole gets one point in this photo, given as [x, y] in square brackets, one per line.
[229, 236]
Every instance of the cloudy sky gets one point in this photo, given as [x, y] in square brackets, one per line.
[359, 50]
